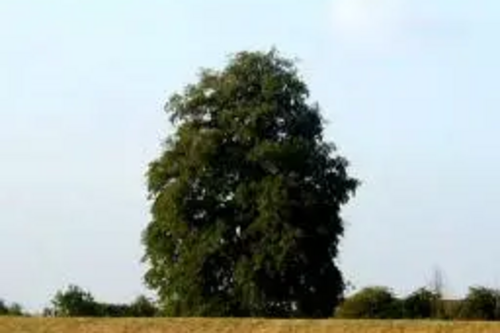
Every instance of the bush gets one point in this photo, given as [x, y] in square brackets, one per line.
[371, 303]
[143, 307]
[481, 304]
[421, 304]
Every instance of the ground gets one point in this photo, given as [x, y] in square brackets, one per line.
[50, 325]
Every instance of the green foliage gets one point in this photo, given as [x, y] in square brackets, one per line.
[4, 309]
[246, 198]
[371, 303]
[74, 302]
[143, 307]
[420, 304]
[13, 309]
[481, 304]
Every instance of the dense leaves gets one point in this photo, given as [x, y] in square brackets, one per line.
[76, 302]
[13, 309]
[422, 303]
[371, 303]
[481, 304]
[246, 197]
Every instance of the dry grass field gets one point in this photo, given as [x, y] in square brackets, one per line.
[44, 325]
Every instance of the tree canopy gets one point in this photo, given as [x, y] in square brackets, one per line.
[74, 302]
[246, 197]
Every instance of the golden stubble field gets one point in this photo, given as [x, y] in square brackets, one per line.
[52, 325]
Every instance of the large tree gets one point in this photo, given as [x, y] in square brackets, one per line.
[246, 197]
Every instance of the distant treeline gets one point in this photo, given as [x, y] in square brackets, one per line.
[480, 303]
[13, 309]
[77, 302]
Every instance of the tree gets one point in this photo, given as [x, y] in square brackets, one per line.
[4, 309]
[246, 197]
[420, 304]
[371, 303]
[13, 309]
[74, 302]
[481, 304]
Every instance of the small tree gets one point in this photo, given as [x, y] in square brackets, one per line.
[371, 303]
[74, 302]
[246, 198]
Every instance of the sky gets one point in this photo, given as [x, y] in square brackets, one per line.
[408, 89]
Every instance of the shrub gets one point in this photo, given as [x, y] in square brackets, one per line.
[371, 303]
[481, 304]
[421, 304]
[143, 307]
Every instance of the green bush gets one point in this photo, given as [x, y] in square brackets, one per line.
[13, 309]
[76, 302]
[371, 303]
[143, 307]
[421, 304]
[481, 304]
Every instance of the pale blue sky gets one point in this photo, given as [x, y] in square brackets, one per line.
[409, 87]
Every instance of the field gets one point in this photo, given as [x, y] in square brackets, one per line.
[44, 325]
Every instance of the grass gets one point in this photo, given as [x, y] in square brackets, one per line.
[52, 325]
